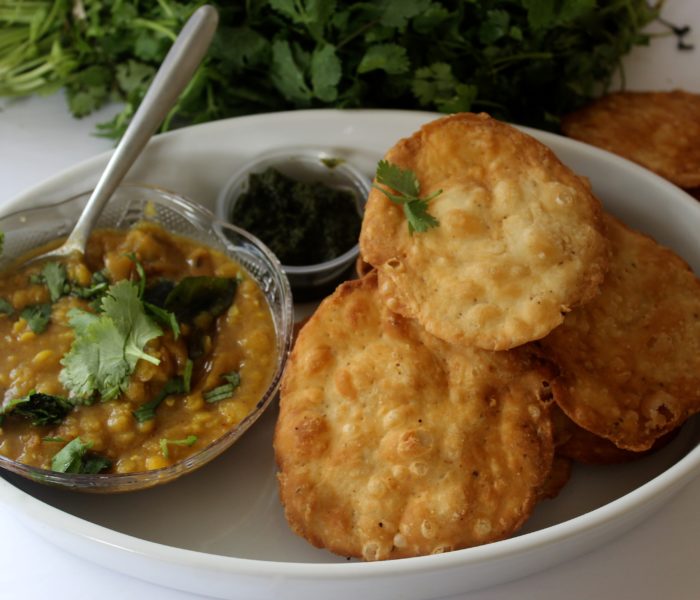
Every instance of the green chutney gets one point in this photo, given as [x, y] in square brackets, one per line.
[303, 223]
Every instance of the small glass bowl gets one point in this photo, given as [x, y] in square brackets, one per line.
[310, 165]
[31, 228]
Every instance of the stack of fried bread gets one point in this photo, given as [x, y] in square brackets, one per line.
[429, 405]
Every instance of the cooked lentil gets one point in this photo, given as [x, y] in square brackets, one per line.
[242, 340]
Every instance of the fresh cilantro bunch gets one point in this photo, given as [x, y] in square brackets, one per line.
[407, 194]
[527, 61]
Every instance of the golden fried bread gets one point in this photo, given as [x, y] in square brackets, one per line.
[519, 243]
[658, 130]
[557, 479]
[362, 267]
[391, 443]
[575, 443]
[630, 358]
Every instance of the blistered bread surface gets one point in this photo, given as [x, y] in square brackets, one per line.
[630, 358]
[658, 130]
[391, 443]
[519, 243]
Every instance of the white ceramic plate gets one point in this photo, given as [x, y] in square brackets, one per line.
[220, 531]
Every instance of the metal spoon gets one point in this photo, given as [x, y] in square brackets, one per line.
[174, 74]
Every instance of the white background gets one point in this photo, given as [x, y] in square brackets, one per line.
[657, 559]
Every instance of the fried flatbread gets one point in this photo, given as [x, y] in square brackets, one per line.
[630, 358]
[519, 243]
[391, 443]
[557, 479]
[575, 443]
[362, 267]
[658, 130]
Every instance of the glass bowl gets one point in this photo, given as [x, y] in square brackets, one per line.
[28, 229]
[309, 165]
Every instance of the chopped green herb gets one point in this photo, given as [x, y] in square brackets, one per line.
[37, 317]
[6, 308]
[94, 463]
[140, 271]
[147, 410]
[74, 458]
[50, 439]
[164, 443]
[407, 187]
[56, 279]
[164, 317]
[108, 346]
[99, 284]
[225, 391]
[42, 409]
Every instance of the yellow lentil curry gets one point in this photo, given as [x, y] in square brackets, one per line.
[80, 391]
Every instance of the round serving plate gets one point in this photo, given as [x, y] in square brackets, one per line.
[221, 531]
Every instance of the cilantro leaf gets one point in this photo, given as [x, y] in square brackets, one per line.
[147, 410]
[164, 317]
[287, 75]
[37, 316]
[6, 308]
[397, 14]
[326, 71]
[390, 58]
[74, 458]
[436, 85]
[405, 182]
[222, 392]
[123, 305]
[107, 346]
[164, 443]
[55, 276]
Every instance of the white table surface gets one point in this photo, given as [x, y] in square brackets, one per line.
[657, 559]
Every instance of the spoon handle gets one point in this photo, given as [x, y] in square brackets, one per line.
[174, 74]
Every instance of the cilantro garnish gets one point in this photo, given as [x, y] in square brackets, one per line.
[164, 443]
[6, 308]
[147, 410]
[108, 346]
[42, 409]
[74, 458]
[164, 317]
[97, 288]
[222, 392]
[407, 194]
[37, 316]
[56, 279]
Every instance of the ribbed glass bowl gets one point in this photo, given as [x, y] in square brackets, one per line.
[28, 229]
